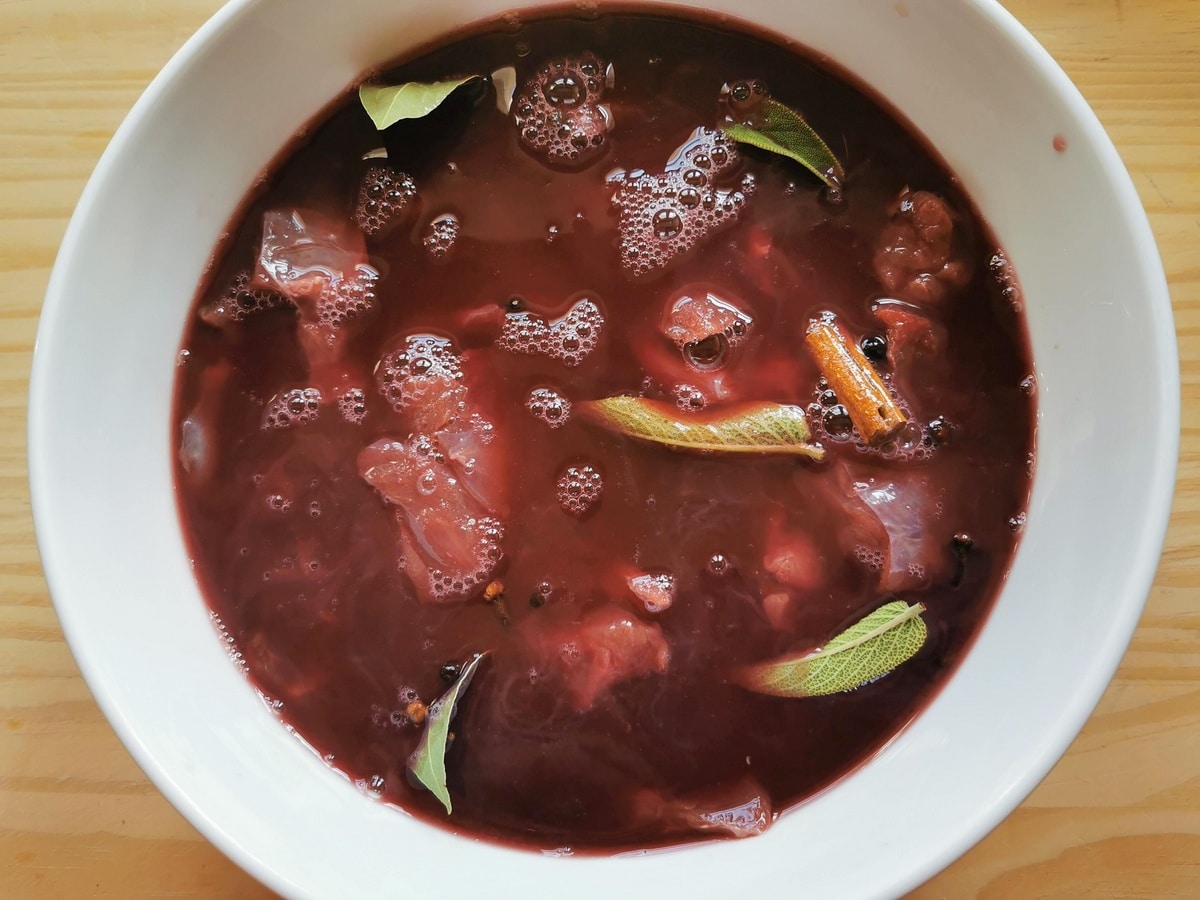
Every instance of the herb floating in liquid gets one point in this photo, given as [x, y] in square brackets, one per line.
[428, 762]
[781, 130]
[388, 104]
[865, 651]
[760, 428]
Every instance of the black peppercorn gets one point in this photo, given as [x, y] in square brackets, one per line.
[874, 347]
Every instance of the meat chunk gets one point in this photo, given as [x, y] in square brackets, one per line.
[604, 647]
[738, 810]
[654, 590]
[916, 552]
[450, 544]
[305, 255]
[318, 265]
[914, 260]
[698, 315]
[910, 333]
[791, 557]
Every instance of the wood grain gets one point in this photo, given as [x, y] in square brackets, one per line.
[1118, 816]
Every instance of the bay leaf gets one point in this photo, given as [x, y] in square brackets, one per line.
[388, 104]
[781, 130]
[864, 652]
[764, 428]
[428, 762]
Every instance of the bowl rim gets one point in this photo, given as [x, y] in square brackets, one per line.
[1052, 745]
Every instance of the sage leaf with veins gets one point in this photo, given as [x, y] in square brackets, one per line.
[862, 653]
[428, 762]
[388, 104]
[763, 428]
[781, 130]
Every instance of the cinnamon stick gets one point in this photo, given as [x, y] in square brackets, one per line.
[852, 377]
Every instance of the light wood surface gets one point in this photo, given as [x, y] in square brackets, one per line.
[1118, 816]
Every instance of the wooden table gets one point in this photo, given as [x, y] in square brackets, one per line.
[1118, 816]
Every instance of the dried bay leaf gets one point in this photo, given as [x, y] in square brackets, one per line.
[763, 428]
[862, 653]
[388, 104]
[781, 130]
[428, 762]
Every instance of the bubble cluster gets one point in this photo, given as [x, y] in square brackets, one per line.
[1002, 272]
[409, 712]
[569, 651]
[441, 236]
[424, 368]
[743, 97]
[239, 300]
[373, 786]
[558, 113]
[662, 217]
[385, 197]
[871, 557]
[346, 299]
[297, 406]
[829, 420]
[568, 339]
[549, 406]
[690, 398]
[230, 642]
[352, 404]
[487, 533]
[579, 489]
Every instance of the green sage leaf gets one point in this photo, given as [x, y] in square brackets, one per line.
[781, 130]
[428, 762]
[388, 104]
[760, 428]
[862, 653]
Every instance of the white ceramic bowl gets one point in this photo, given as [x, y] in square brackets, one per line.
[990, 99]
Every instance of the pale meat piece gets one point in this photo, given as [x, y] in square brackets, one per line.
[450, 545]
[599, 650]
[739, 810]
[319, 264]
[916, 553]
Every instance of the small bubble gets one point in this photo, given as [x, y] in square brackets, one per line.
[837, 422]
[427, 483]
[718, 564]
[706, 354]
[667, 223]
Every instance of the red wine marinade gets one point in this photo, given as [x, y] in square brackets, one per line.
[384, 465]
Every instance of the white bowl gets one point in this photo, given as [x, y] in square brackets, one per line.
[990, 99]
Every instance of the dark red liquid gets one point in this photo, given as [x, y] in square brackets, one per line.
[298, 555]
